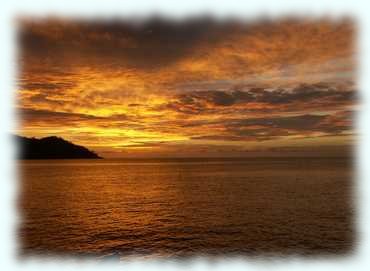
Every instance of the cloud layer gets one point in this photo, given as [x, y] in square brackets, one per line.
[197, 86]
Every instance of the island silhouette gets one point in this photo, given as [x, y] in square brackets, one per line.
[51, 147]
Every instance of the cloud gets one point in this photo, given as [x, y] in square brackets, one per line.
[292, 122]
[304, 95]
[145, 45]
[45, 85]
[32, 115]
[200, 81]
[268, 128]
[195, 48]
[47, 118]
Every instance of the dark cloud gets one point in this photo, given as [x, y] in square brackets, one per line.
[146, 144]
[301, 122]
[197, 102]
[135, 105]
[28, 114]
[262, 129]
[148, 44]
[232, 137]
[49, 117]
[159, 42]
[43, 98]
[46, 85]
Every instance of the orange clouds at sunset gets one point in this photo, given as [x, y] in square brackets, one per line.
[192, 88]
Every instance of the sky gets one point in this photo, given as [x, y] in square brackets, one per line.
[191, 88]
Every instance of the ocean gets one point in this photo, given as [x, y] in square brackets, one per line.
[179, 208]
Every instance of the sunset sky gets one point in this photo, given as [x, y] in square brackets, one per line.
[191, 88]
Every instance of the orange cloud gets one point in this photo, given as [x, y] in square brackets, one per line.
[164, 87]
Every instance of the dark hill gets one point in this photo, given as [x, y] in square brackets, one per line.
[51, 147]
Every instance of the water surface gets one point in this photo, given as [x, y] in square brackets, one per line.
[186, 207]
